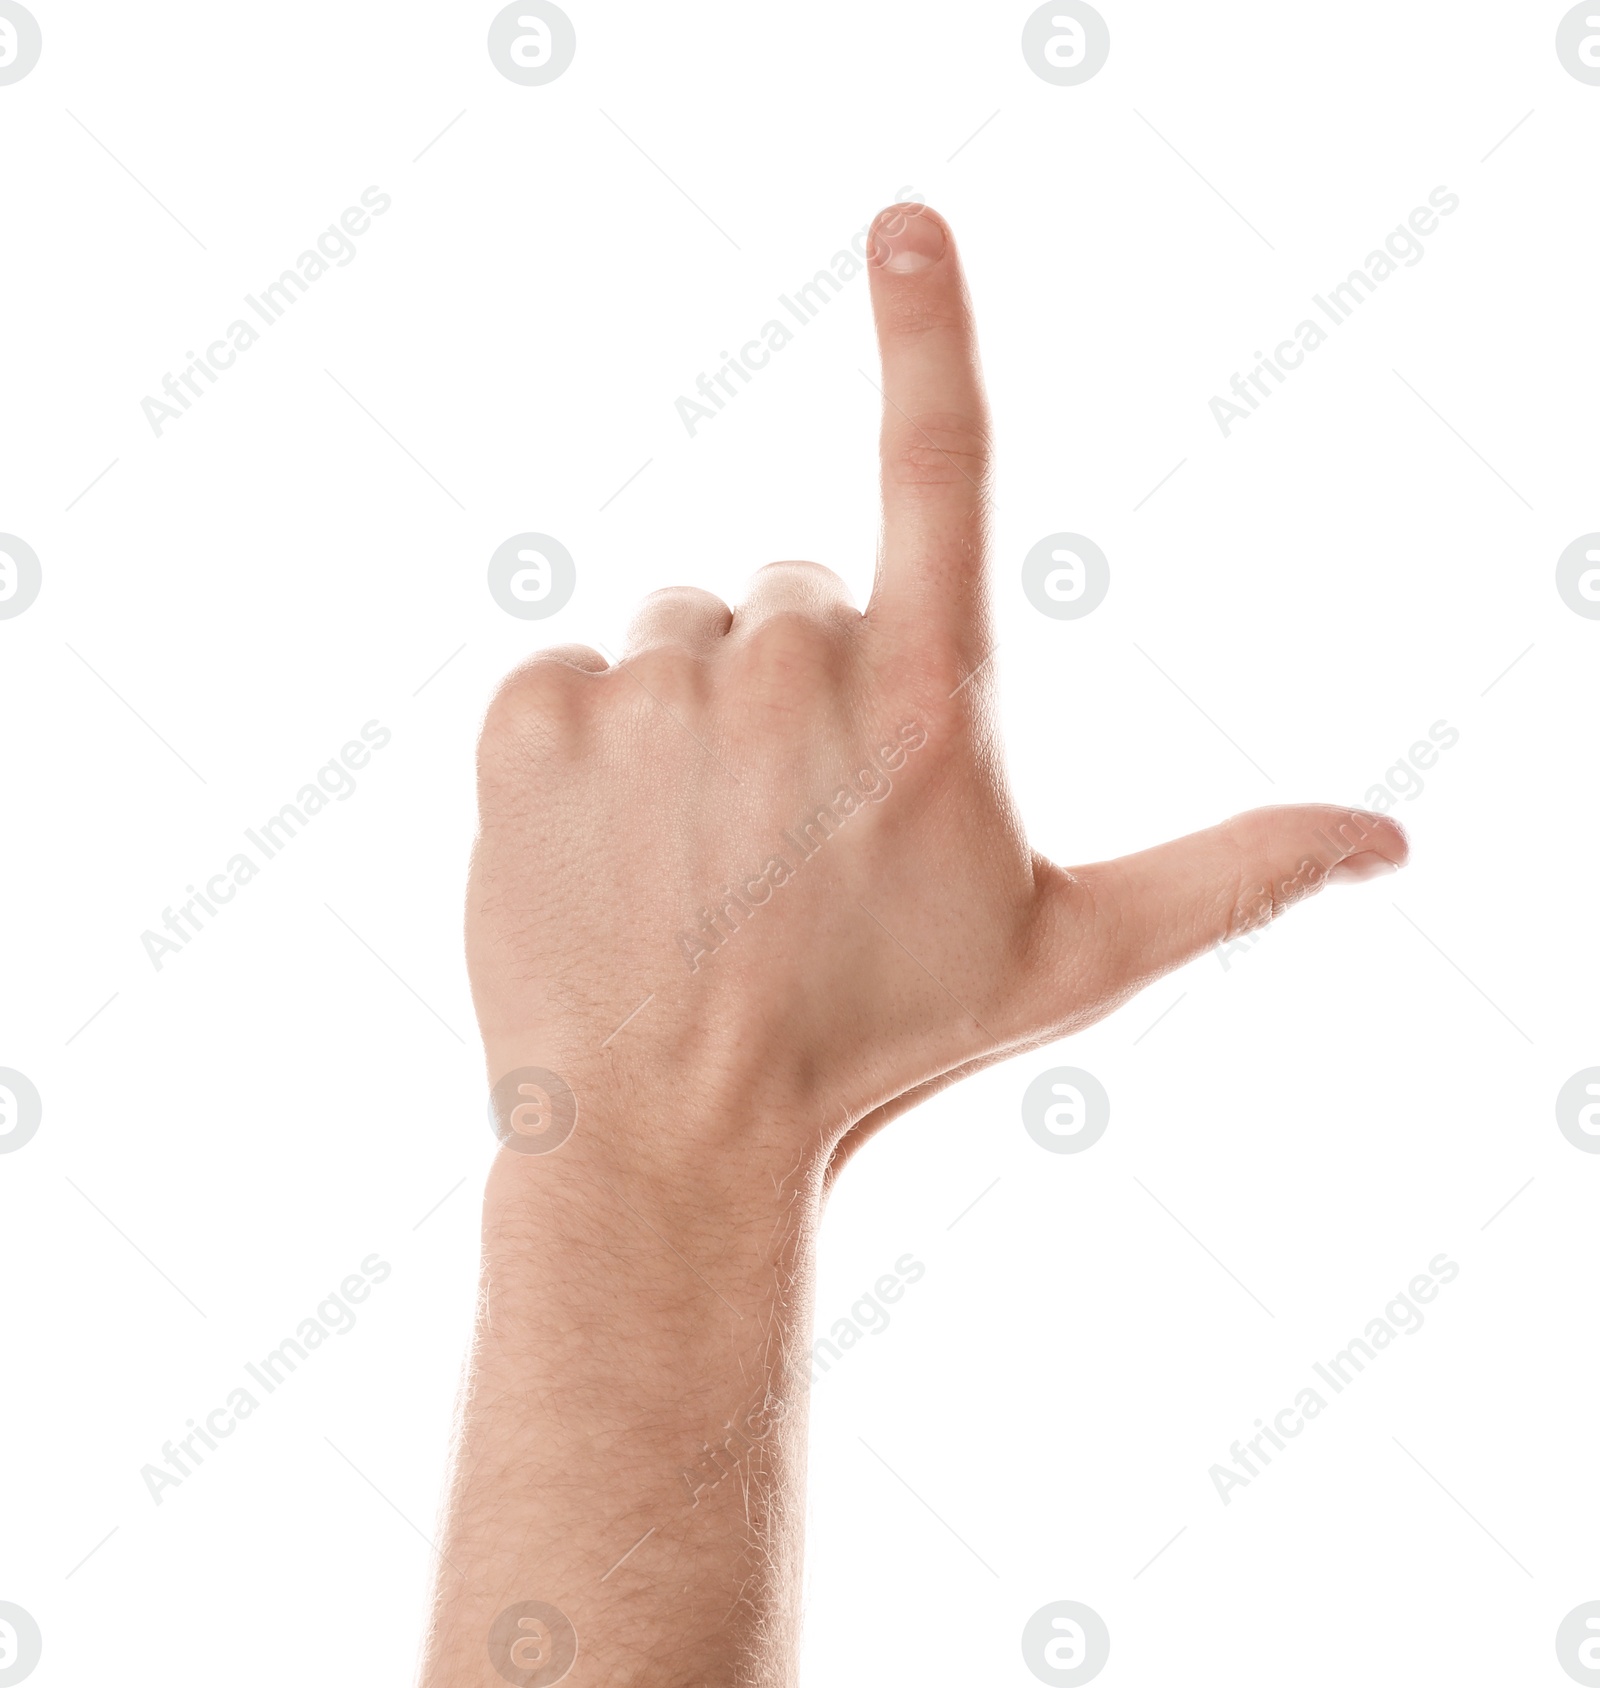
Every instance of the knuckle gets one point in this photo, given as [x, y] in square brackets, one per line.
[799, 569]
[1262, 891]
[671, 675]
[671, 597]
[1252, 898]
[790, 634]
[676, 614]
[812, 587]
[528, 706]
[789, 653]
[939, 449]
[536, 688]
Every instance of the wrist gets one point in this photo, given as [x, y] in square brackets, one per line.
[726, 1129]
[722, 1201]
[675, 1302]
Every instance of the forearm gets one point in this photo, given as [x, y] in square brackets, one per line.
[633, 1432]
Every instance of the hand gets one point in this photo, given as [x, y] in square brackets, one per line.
[788, 826]
[747, 893]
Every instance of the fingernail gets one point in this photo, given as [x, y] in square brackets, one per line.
[907, 238]
[1364, 864]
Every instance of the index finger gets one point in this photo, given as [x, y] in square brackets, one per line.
[934, 446]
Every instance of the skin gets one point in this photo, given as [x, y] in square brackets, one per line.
[632, 1438]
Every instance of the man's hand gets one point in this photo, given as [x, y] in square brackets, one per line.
[736, 899]
[787, 826]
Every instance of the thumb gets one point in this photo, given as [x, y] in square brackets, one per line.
[1142, 915]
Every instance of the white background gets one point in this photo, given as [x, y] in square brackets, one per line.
[1363, 1089]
